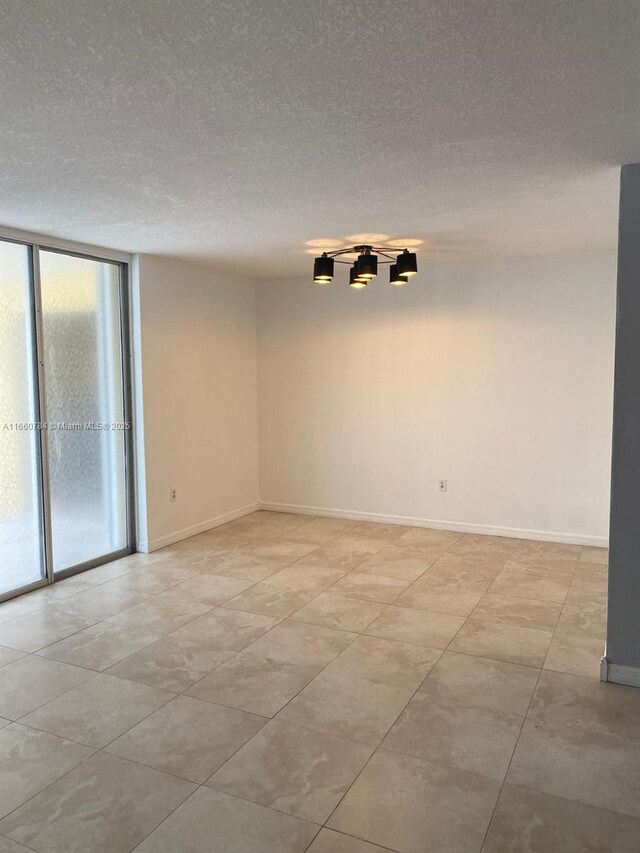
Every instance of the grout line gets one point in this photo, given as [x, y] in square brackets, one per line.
[379, 746]
[20, 843]
[166, 817]
[504, 781]
[66, 773]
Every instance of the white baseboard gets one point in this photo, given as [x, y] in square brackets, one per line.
[441, 524]
[618, 673]
[154, 544]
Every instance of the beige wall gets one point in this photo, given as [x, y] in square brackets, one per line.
[195, 377]
[496, 376]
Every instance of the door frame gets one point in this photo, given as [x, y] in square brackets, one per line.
[122, 260]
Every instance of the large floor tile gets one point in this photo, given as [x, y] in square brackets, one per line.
[595, 768]
[379, 530]
[319, 530]
[254, 683]
[346, 552]
[212, 552]
[226, 629]
[531, 822]
[52, 594]
[192, 550]
[569, 701]
[482, 682]
[247, 528]
[370, 587]
[469, 737]
[385, 661]
[352, 708]
[590, 554]
[20, 606]
[411, 806]
[421, 627]
[308, 578]
[541, 566]
[302, 643]
[110, 571]
[31, 681]
[448, 572]
[522, 612]
[482, 561]
[98, 710]
[155, 578]
[399, 561]
[530, 549]
[270, 599]
[236, 825]
[31, 760]
[330, 841]
[100, 646]
[583, 620]
[294, 770]
[102, 601]
[106, 805]
[161, 615]
[483, 636]
[243, 566]
[187, 737]
[338, 611]
[286, 591]
[361, 537]
[519, 582]
[40, 628]
[438, 597]
[421, 536]
[475, 543]
[592, 573]
[586, 592]
[575, 654]
[140, 559]
[208, 588]
[281, 549]
[266, 524]
[173, 663]
[8, 656]
[9, 846]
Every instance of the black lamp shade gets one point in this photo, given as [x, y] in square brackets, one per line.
[367, 266]
[407, 263]
[395, 277]
[355, 281]
[323, 270]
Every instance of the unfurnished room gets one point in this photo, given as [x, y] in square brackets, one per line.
[320, 426]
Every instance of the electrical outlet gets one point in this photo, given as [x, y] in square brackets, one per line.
[173, 494]
[442, 485]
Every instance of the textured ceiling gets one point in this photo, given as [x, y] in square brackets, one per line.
[234, 132]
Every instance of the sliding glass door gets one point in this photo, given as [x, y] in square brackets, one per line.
[65, 489]
[22, 556]
[84, 394]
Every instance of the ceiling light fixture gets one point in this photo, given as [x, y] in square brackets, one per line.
[323, 269]
[394, 276]
[365, 269]
[355, 280]
[407, 263]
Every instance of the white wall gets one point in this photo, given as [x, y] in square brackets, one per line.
[494, 375]
[195, 378]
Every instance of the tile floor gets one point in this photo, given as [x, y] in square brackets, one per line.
[285, 684]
